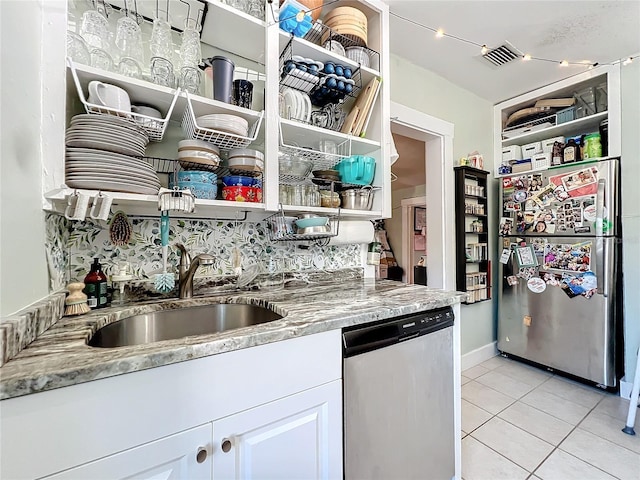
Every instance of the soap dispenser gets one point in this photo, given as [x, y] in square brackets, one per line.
[96, 286]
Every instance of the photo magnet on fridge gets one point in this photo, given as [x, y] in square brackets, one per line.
[506, 226]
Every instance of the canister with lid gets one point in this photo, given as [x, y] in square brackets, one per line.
[592, 146]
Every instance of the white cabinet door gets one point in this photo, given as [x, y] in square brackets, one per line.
[298, 437]
[185, 455]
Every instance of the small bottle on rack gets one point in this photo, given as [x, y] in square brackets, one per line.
[96, 286]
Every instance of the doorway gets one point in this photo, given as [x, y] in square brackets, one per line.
[425, 172]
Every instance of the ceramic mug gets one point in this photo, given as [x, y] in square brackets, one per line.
[109, 95]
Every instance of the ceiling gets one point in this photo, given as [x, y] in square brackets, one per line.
[410, 166]
[595, 31]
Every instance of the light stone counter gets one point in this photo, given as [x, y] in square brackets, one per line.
[61, 357]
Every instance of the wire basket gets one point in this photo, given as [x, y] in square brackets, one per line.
[320, 34]
[223, 140]
[280, 231]
[322, 87]
[321, 160]
[154, 127]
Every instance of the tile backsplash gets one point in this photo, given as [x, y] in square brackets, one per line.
[71, 246]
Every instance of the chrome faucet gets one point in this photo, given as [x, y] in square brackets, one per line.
[188, 268]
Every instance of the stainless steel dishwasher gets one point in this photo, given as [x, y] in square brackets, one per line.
[398, 398]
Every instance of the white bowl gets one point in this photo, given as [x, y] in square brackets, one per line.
[201, 154]
[198, 145]
[246, 163]
[358, 55]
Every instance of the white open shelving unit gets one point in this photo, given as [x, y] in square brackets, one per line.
[609, 75]
[252, 43]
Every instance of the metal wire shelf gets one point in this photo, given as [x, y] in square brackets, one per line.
[223, 140]
[278, 232]
[320, 34]
[168, 165]
[154, 127]
[323, 88]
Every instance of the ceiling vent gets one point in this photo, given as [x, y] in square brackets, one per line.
[502, 55]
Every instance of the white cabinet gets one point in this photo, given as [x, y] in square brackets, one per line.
[273, 401]
[601, 84]
[297, 437]
[185, 455]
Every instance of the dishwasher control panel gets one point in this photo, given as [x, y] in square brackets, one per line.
[371, 336]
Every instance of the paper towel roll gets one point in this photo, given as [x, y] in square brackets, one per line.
[353, 231]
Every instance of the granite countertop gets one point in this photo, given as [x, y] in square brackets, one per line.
[61, 357]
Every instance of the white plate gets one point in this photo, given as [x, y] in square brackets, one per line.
[112, 178]
[98, 156]
[111, 129]
[107, 122]
[111, 186]
[110, 147]
[119, 135]
[106, 139]
[89, 168]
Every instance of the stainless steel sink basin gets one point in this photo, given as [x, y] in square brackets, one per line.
[179, 323]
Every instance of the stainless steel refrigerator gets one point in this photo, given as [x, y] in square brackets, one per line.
[560, 304]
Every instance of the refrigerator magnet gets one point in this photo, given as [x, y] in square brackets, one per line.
[504, 258]
[526, 256]
[512, 280]
[536, 285]
[519, 196]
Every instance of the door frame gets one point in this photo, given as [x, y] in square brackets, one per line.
[438, 137]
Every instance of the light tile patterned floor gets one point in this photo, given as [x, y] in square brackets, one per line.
[519, 422]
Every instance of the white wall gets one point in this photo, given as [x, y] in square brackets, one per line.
[23, 270]
[472, 116]
[630, 167]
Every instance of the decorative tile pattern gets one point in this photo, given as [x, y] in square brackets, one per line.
[71, 246]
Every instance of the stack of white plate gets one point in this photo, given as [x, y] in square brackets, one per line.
[224, 123]
[98, 170]
[107, 133]
[295, 105]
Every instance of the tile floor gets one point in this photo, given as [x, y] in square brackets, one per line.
[519, 422]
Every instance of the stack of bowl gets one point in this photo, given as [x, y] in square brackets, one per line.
[310, 224]
[198, 154]
[202, 184]
[246, 159]
[239, 188]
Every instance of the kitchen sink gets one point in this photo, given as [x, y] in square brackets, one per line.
[180, 323]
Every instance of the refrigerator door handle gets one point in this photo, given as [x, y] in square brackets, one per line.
[599, 226]
[602, 266]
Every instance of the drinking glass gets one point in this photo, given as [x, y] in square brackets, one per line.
[94, 29]
[242, 93]
[101, 59]
[128, 39]
[161, 43]
[77, 49]
[190, 49]
[162, 72]
[190, 79]
[130, 67]
[255, 8]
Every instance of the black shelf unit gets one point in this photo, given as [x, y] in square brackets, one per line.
[473, 267]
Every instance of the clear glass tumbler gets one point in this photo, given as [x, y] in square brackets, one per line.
[190, 48]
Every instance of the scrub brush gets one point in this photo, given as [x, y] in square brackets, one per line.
[76, 301]
[164, 282]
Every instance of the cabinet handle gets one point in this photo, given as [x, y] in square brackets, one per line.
[201, 456]
[226, 445]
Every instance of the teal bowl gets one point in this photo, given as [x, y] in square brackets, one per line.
[312, 222]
